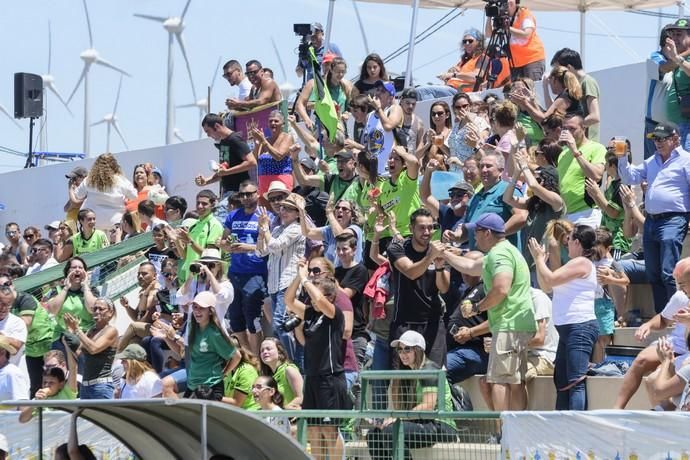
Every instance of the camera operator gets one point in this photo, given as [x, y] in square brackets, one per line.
[526, 48]
[317, 42]
[73, 205]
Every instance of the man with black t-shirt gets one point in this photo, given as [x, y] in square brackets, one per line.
[352, 277]
[235, 159]
[465, 339]
[418, 277]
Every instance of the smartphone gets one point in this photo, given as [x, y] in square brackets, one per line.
[454, 329]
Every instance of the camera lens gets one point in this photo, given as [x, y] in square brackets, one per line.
[194, 268]
[291, 323]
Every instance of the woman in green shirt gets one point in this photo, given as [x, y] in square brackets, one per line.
[238, 380]
[275, 363]
[88, 239]
[413, 395]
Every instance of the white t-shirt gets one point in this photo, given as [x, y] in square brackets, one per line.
[13, 383]
[35, 268]
[15, 328]
[281, 424]
[148, 386]
[676, 302]
[110, 205]
[243, 88]
[542, 310]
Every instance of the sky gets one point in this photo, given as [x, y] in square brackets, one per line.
[242, 30]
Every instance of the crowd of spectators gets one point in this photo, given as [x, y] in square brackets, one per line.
[333, 255]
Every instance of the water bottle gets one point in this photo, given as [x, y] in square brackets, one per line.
[249, 239]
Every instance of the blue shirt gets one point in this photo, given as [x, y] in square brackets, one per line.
[668, 184]
[246, 227]
[447, 218]
[329, 241]
[491, 200]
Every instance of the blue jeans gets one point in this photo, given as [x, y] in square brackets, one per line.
[575, 345]
[294, 349]
[684, 131]
[663, 242]
[634, 270]
[381, 362]
[98, 391]
[155, 348]
[465, 361]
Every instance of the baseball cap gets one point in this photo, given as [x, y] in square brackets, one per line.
[79, 171]
[344, 154]
[205, 299]
[490, 221]
[54, 225]
[132, 351]
[387, 85]
[316, 26]
[188, 222]
[328, 57]
[308, 163]
[663, 130]
[409, 93]
[463, 186]
[680, 23]
[410, 339]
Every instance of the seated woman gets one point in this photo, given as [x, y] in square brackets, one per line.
[239, 378]
[276, 364]
[87, 240]
[266, 394]
[140, 380]
[418, 433]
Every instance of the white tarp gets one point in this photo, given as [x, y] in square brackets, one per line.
[545, 5]
[600, 435]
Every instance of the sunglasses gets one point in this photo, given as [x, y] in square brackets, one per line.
[29, 235]
[314, 270]
[167, 274]
[245, 194]
[10, 233]
[6, 286]
[468, 41]
[35, 250]
[252, 72]
[276, 199]
[343, 208]
[227, 75]
[438, 114]
[405, 350]
[457, 194]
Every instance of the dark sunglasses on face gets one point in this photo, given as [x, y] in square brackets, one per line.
[252, 72]
[467, 42]
[314, 270]
[29, 236]
[457, 194]
[461, 106]
[276, 199]
[10, 233]
[438, 114]
[167, 275]
[342, 208]
[241, 195]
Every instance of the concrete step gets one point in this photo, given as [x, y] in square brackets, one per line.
[625, 337]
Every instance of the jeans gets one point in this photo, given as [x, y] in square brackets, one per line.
[294, 349]
[359, 346]
[418, 434]
[575, 345]
[155, 349]
[466, 361]
[634, 270]
[684, 131]
[379, 388]
[98, 391]
[663, 242]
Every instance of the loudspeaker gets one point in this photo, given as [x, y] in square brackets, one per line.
[28, 95]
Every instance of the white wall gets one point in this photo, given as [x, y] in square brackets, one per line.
[36, 196]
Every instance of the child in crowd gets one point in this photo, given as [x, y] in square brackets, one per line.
[266, 394]
[604, 308]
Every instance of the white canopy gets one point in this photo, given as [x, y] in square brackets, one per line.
[536, 5]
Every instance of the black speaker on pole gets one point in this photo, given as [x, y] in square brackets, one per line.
[28, 95]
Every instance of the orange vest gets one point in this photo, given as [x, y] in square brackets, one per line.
[526, 50]
[470, 66]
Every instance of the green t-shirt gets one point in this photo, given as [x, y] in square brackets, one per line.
[74, 305]
[572, 178]
[339, 189]
[515, 313]
[65, 394]
[534, 133]
[209, 352]
[615, 226]
[81, 245]
[242, 380]
[284, 387]
[431, 386]
[40, 334]
[205, 231]
[590, 88]
[403, 198]
[682, 82]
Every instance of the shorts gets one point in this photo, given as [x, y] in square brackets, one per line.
[605, 311]
[326, 392]
[536, 365]
[533, 70]
[508, 357]
[245, 310]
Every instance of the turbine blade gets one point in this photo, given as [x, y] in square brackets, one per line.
[215, 73]
[119, 133]
[180, 41]
[76, 87]
[117, 98]
[88, 24]
[177, 135]
[53, 88]
[186, 7]
[99, 122]
[280, 60]
[105, 63]
[150, 17]
[50, 47]
[184, 106]
[4, 110]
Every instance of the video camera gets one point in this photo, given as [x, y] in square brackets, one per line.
[305, 31]
[497, 10]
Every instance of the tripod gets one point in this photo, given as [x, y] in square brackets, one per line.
[490, 65]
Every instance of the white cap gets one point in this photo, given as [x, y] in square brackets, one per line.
[410, 339]
[3, 444]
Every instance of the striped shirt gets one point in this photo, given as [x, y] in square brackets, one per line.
[284, 250]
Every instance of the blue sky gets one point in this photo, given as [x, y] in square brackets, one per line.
[241, 30]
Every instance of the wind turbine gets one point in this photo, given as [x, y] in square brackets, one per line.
[7, 114]
[49, 84]
[286, 88]
[202, 104]
[110, 120]
[174, 26]
[90, 56]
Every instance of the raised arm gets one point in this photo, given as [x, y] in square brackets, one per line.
[428, 199]
[301, 104]
[312, 180]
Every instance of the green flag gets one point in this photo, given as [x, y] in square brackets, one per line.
[323, 104]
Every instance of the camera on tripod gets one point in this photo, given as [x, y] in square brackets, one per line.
[305, 31]
[497, 10]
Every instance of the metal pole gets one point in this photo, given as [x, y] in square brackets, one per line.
[204, 447]
[681, 9]
[361, 26]
[329, 24]
[40, 433]
[410, 49]
[583, 35]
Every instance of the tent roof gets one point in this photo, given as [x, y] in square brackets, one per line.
[167, 428]
[544, 5]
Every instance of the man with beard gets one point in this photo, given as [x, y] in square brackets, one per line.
[264, 89]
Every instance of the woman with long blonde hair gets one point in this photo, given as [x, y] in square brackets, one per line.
[555, 238]
[565, 85]
[140, 380]
[106, 190]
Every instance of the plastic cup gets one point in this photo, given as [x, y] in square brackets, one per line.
[620, 146]
[438, 141]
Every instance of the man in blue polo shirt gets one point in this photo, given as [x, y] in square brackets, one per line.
[490, 199]
[247, 272]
